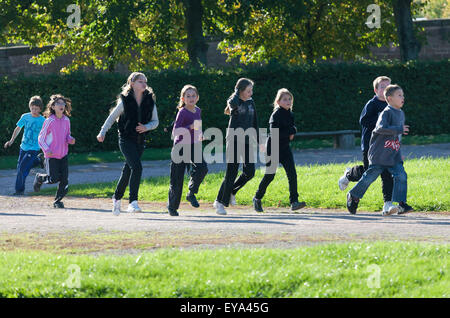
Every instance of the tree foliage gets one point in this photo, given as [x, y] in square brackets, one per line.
[161, 34]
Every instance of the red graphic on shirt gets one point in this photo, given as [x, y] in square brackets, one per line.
[393, 144]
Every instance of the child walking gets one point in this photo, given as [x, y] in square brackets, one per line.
[189, 119]
[135, 114]
[384, 154]
[242, 111]
[368, 120]
[29, 156]
[54, 139]
[282, 119]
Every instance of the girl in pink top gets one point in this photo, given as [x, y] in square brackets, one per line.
[54, 139]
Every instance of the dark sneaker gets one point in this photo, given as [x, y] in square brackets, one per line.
[352, 203]
[17, 193]
[37, 183]
[58, 205]
[172, 212]
[257, 205]
[41, 160]
[193, 200]
[404, 208]
[297, 205]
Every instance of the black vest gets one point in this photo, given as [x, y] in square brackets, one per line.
[133, 114]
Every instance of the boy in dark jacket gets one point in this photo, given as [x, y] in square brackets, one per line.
[384, 154]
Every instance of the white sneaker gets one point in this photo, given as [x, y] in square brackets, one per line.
[220, 209]
[389, 208]
[343, 181]
[133, 207]
[233, 199]
[116, 207]
[394, 209]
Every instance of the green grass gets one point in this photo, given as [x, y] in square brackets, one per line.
[380, 269]
[428, 187]
[10, 162]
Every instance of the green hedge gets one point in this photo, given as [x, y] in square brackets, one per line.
[327, 97]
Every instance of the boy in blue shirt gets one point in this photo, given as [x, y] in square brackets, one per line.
[29, 156]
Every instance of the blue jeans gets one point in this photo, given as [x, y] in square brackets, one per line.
[27, 160]
[372, 173]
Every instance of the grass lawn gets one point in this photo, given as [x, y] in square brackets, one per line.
[380, 269]
[10, 162]
[428, 187]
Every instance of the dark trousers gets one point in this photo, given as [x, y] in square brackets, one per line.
[198, 171]
[287, 161]
[27, 160]
[57, 171]
[356, 173]
[132, 169]
[230, 185]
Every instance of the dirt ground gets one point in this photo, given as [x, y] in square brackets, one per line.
[88, 224]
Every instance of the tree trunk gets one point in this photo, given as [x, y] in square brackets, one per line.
[196, 45]
[409, 45]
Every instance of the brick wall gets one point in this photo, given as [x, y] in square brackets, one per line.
[15, 60]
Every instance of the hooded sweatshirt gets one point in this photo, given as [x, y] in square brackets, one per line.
[384, 147]
[55, 137]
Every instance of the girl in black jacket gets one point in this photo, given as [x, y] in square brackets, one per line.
[283, 120]
[242, 111]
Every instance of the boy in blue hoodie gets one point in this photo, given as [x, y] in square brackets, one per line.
[384, 154]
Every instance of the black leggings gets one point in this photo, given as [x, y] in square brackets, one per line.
[132, 169]
[356, 173]
[57, 172]
[198, 172]
[287, 161]
[230, 185]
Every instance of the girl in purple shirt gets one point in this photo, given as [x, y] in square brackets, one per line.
[187, 135]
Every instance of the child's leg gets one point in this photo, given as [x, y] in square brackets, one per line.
[176, 184]
[20, 178]
[363, 184]
[400, 177]
[132, 170]
[248, 171]
[287, 161]
[63, 186]
[198, 171]
[227, 185]
[387, 183]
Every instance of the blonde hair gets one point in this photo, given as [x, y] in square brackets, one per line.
[240, 86]
[280, 93]
[67, 110]
[185, 88]
[380, 79]
[36, 101]
[126, 88]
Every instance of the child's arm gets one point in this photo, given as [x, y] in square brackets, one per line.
[117, 111]
[43, 136]
[69, 139]
[367, 116]
[13, 137]
[152, 124]
[383, 126]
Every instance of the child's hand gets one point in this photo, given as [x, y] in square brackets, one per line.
[100, 138]
[141, 128]
[72, 142]
[8, 144]
[49, 154]
[291, 137]
[405, 129]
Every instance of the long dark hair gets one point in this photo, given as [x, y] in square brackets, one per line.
[240, 86]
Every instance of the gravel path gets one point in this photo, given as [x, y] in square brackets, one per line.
[274, 228]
